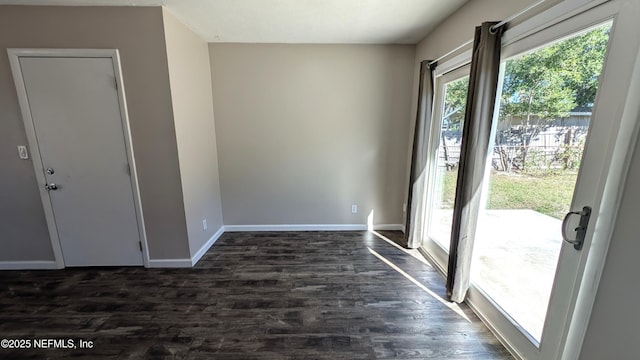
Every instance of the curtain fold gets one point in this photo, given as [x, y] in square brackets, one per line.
[476, 135]
[416, 207]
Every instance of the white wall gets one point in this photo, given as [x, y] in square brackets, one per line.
[304, 131]
[190, 80]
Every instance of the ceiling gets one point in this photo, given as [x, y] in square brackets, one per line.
[297, 21]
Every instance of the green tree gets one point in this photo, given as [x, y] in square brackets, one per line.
[547, 83]
[455, 102]
[539, 87]
[586, 56]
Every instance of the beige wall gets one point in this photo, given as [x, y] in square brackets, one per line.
[190, 78]
[138, 34]
[304, 131]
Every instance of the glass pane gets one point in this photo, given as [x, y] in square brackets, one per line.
[545, 110]
[447, 158]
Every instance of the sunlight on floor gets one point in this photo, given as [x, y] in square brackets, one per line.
[411, 252]
[450, 305]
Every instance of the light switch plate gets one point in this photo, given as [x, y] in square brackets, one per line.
[22, 152]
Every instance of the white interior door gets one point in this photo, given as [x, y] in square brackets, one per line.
[74, 106]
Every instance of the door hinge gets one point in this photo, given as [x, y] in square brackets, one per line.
[128, 169]
[140, 244]
[115, 83]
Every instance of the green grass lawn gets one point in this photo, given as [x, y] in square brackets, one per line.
[548, 194]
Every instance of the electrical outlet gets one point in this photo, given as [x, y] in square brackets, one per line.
[354, 209]
[204, 224]
[22, 152]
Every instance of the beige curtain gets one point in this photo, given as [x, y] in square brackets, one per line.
[416, 208]
[481, 98]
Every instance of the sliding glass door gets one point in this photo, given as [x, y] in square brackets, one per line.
[446, 136]
[559, 148]
[547, 101]
[545, 183]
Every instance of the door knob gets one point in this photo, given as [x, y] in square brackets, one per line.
[51, 186]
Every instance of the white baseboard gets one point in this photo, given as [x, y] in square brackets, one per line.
[203, 250]
[187, 263]
[311, 227]
[297, 227]
[170, 263]
[28, 265]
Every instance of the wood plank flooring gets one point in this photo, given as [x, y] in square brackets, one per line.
[287, 295]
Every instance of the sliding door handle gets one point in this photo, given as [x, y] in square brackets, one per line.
[581, 230]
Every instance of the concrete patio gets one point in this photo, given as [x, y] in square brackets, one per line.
[515, 258]
[516, 254]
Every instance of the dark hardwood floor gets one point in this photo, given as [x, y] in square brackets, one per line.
[292, 295]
